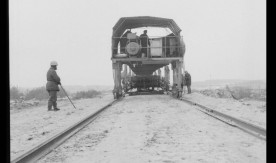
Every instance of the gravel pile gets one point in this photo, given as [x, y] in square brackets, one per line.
[237, 94]
[20, 104]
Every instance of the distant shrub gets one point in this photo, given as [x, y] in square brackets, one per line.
[258, 94]
[37, 93]
[41, 93]
[15, 94]
[241, 92]
[86, 94]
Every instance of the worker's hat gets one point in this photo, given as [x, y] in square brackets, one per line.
[54, 63]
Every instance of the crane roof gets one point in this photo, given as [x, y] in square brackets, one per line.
[144, 21]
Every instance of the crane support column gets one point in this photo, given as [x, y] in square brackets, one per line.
[174, 87]
[124, 78]
[173, 69]
[167, 77]
[117, 91]
[179, 78]
[183, 68]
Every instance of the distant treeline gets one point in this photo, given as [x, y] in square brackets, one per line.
[251, 84]
[40, 93]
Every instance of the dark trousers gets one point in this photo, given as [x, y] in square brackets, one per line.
[144, 50]
[189, 89]
[52, 99]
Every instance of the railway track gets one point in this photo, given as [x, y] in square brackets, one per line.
[252, 129]
[235, 122]
[44, 148]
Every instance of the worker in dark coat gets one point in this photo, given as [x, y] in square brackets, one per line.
[53, 81]
[188, 79]
[144, 42]
[123, 41]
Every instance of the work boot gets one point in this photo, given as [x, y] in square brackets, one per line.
[55, 106]
[49, 106]
[56, 109]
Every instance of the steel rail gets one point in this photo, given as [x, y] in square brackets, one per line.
[47, 146]
[235, 122]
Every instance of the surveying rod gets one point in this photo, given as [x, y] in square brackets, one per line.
[67, 96]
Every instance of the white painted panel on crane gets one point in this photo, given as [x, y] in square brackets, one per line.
[156, 47]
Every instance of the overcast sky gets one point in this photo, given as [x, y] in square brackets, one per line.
[225, 39]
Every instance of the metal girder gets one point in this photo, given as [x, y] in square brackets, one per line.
[145, 69]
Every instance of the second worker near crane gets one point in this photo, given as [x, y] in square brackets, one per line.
[144, 43]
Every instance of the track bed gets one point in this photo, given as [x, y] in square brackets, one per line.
[158, 128]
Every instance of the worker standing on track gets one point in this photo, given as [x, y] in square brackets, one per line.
[187, 78]
[53, 81]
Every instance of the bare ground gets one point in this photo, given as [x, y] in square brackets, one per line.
[158, 129]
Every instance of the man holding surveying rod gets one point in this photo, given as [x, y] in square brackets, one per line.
[53, 81]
